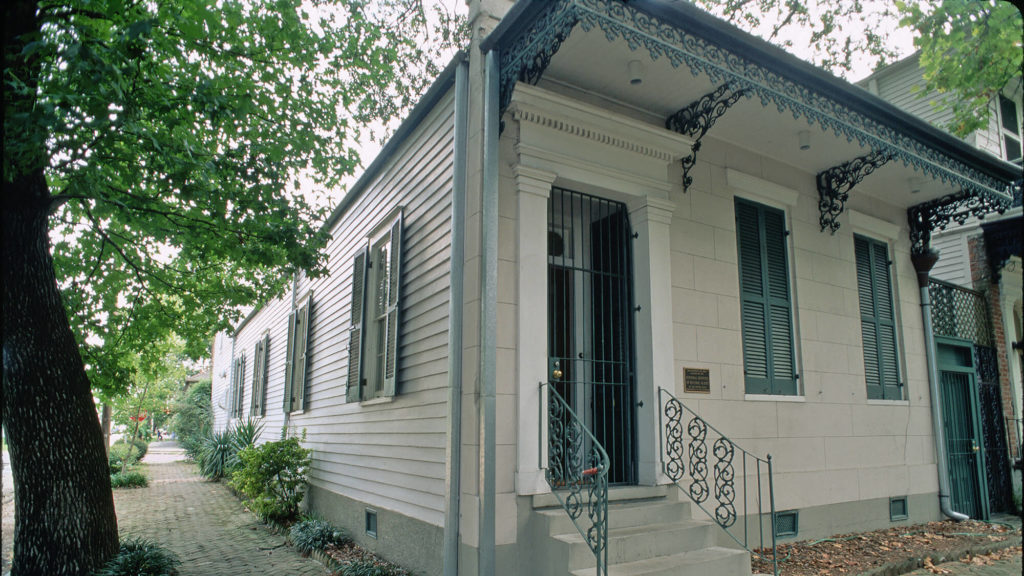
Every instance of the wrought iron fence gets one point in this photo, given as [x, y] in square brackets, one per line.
[577, 471]
[685, 460]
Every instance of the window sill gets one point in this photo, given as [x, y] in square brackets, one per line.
[773, 398]
[375, 401]
[873, 402]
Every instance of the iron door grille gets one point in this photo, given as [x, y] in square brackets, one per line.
[590, 320]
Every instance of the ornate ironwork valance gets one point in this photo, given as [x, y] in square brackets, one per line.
[835, 183]
[936, 214]
[696, 119]
[530, 51]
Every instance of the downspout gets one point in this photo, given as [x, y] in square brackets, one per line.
[923, 264]
[488, 313]
[455, 303]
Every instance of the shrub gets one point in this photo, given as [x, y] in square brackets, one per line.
[218, 454]
[369, 568]
[272, 478]
[314, 534]
[129, 479]
[140, 557]
[193, 419]
[121, 456]
[193, 447]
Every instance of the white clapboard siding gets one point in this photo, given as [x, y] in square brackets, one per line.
[953, 265]
[220, 383]
[391, 454]
[902, 88]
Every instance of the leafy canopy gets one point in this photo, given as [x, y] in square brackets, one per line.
[180, 140]
[970, 49]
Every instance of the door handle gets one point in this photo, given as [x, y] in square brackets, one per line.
[557, 372]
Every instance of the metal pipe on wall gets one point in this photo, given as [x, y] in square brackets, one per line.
[923, 264]
[455, 302]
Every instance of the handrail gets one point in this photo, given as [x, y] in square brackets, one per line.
[674, 448]
[573, 469]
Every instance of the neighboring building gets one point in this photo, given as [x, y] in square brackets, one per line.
[984, 257]
[678, 229]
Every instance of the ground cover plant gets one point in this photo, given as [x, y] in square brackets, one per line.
[140, 557]
[315, 534]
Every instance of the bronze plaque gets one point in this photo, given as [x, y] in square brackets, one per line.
[697, 380]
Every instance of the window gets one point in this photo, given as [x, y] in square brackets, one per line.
[877, 321]
[1009, 128]
[373, 335]
[295, 358]
[766, 303]
[259, 377]
[237, 386]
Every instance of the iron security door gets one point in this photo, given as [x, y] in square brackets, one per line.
[590, 320]
[962, 428]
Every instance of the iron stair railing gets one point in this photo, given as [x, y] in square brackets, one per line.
[577, 472]
[679, 452]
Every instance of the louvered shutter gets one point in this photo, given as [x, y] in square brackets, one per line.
[766, 304]
[394, 289]
[259, 378]
[355, 332]
[236, 374]
[878, 326]
[239, 387]
[301, 354]
[289, 364]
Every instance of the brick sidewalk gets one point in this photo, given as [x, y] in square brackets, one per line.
[202, 522]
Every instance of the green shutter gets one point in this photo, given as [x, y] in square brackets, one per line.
[878, 326]
[355, 332]
[239, 387]
[766, 303]
[289, 364]
[301, 354]
[259, 378]
[393, 301]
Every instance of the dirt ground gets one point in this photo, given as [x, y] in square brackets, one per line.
[862, 552]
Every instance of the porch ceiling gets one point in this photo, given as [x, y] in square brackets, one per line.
[590, 66]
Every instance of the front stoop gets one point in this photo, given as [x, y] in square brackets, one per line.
[649, 534]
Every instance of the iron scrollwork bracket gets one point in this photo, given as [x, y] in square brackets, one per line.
[835, 183]
[696, 119]
[927, 217]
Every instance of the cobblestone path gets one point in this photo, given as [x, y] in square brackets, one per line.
[202, 522]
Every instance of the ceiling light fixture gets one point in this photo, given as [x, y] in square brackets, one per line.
[635, 69]
[804, 138]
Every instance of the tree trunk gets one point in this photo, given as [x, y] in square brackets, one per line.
[105, 427]
[64, 507]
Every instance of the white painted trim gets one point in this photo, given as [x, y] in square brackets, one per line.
[763, 190]
[378, 400]
[773, 398]
[875, 227]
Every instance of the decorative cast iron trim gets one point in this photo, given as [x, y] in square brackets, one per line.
[835, 183]
[697, 118]
[936, 214]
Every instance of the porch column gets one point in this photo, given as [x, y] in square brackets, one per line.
[533, 188]
[651, 219]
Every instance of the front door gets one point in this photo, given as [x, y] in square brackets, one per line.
[962, 428]
[590, 320]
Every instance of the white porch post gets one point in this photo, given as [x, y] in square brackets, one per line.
[651, 219]
[533, 188]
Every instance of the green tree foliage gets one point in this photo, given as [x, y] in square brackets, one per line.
[163, 146]
[970, 49]
[193, 416]
[153, 381]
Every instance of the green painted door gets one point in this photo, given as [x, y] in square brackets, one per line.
[962, 427]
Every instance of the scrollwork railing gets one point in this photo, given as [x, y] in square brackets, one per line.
[577, 471]
[684, 459]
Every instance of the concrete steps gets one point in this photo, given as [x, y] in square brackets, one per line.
[650, 533]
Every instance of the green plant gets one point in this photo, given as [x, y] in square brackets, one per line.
[272, 478]
[121, 456]
[216, 455]
[246, 433]
[371, 568]
[140, 445]
[315, 534]
[129, 479]
[192, 419]
[140, 557]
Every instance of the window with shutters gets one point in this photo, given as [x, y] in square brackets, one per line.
[258, 406]
[374, 329]
[765, 300]
[237, 386]
[1010, 129]
[296, 357]
[877, 320]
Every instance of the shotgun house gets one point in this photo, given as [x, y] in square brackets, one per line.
[979, 268]
[629, 290]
